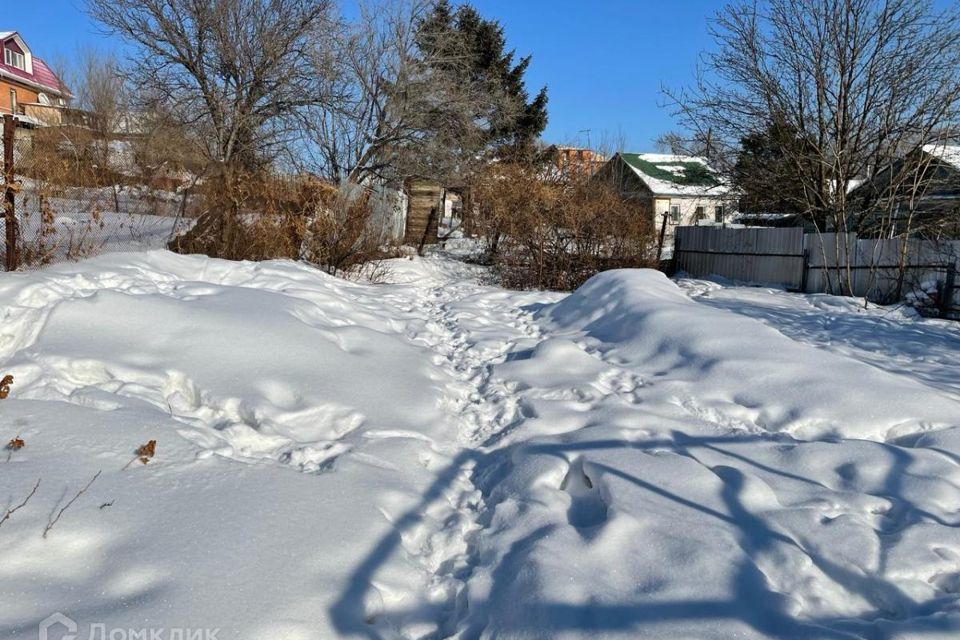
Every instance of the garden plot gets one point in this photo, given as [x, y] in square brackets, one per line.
[439, 457]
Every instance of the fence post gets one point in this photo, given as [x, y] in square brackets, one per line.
[663, 232]
[9, 190]
[949, 286]
[804, 270]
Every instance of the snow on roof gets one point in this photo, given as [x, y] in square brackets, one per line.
[669, 174]
[6, 34]
[949, 153]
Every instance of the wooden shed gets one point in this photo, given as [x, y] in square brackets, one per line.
[424, 209]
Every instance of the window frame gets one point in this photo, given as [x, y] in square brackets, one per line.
[719, 213]
[675, 214]
[11, 59]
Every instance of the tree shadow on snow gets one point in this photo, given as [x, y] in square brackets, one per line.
[753, 603]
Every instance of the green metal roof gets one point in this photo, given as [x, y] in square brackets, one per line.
[687, 174]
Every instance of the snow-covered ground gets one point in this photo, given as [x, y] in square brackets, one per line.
[439, 457]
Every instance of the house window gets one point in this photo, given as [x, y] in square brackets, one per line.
[675, 213]
[13, 100]
[14, 59]
[718, 213]
[700, 215]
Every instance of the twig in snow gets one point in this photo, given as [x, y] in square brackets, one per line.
[10, 512]
[107, 504]
[72, 500]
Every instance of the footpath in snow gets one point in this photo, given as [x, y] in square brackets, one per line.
[441, 458]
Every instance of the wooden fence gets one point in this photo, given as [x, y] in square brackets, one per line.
[822, 263]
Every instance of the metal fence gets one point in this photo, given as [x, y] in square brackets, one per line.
[747, 255]
[883, 270]
[71, 194]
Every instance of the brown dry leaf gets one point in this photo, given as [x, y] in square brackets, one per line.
[5, 386]
[147, 451]
[16, 444]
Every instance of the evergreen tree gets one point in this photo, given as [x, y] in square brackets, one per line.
[461, 42]
[765, 173]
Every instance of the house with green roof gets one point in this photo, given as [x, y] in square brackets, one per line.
[683, 188]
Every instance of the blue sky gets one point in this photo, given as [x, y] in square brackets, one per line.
[604, 61]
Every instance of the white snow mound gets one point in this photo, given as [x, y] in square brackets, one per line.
[740, 369]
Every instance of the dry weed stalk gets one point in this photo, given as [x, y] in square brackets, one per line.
[53, 522]
[10, 512]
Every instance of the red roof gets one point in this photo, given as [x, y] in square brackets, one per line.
[42, 75]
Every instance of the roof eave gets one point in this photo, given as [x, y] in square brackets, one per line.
[35, 85]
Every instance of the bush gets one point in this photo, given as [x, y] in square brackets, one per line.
[555, 232]
[261, 217]
[344, 234]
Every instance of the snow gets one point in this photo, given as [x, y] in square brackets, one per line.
[946, 152]
[663, 187]
[438, 457]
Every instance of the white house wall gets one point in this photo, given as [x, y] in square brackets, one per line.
[688, 210]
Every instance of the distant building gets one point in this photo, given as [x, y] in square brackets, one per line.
[29, 89]
[576, 161]
[926, 203]
[683, 188]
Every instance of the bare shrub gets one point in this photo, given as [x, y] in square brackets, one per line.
[79, 191]
[556, 232]
[345, 236]
[260, 218]
[58, 165]
[297, 218]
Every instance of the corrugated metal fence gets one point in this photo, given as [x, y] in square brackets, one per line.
[748, 255]
[823, 263]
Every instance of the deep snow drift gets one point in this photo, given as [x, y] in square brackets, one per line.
[438, 458]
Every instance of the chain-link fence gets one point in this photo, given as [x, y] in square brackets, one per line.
[70, 193]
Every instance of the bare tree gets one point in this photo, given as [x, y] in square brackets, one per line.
[232, 69]
[98, 89]
[377, 86]
[860, 82]
[233, 73]
[675, 142]
[412, 97]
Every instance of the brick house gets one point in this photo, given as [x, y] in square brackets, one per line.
[29, 89]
